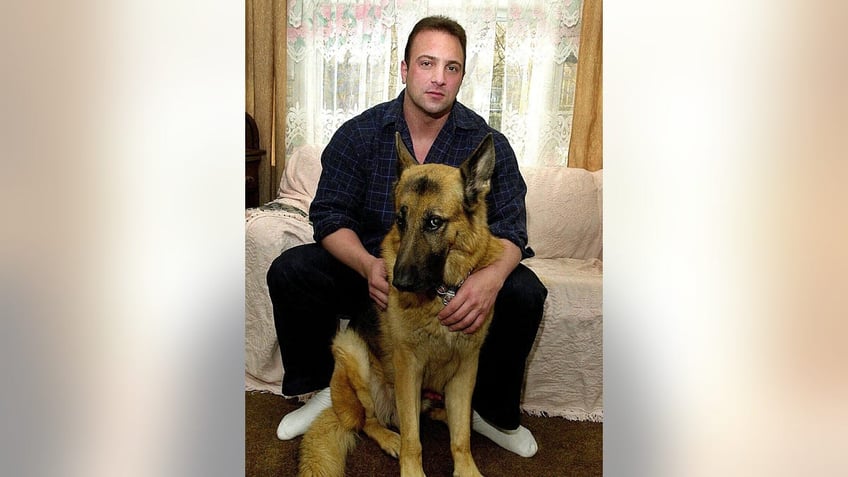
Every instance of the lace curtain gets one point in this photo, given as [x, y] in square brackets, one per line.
[343, 56]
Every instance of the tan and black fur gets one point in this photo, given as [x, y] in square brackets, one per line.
[381, 366]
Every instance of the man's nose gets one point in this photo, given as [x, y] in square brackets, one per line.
[438, 76]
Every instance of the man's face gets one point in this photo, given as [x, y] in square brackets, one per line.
[435, 72]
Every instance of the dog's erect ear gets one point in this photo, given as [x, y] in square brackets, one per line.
[405, 158]
[477, 170]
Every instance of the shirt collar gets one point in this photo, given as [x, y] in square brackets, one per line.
[460, 116]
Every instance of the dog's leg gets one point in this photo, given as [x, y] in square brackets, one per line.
[408, 401]
[352, 390]
[458, 392]
[387, 439]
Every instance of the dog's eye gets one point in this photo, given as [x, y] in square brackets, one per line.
[433, 223]
[401, 218]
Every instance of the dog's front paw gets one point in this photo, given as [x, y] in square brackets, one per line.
[416, 472]
[464, 466]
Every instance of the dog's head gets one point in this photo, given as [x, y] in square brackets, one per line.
[440, 216]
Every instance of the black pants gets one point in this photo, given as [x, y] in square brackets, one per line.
[310, 289]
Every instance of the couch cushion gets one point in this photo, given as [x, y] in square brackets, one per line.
[565, 370]
[563, 212]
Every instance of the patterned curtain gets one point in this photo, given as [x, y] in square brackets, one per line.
[343, 56]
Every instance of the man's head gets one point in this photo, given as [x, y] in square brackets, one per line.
[437, 23]
[434, 65]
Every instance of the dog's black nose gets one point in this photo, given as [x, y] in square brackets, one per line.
[409, 280]
[404, 285]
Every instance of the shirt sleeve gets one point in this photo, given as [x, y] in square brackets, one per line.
[507, 210]
[337, 202]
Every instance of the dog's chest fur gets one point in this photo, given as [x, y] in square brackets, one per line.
[439, 349]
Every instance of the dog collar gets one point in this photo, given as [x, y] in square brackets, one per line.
[447, 293]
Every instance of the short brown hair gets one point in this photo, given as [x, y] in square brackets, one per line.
[438, 23]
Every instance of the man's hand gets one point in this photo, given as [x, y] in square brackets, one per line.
[378, 283]
[468, 310]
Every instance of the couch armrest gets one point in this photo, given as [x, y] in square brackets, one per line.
[267, 234]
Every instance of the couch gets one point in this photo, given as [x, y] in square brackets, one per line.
[564, 219]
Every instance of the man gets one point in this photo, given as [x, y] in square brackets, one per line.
[342, 274]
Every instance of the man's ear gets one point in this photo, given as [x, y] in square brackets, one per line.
[477, 170]
[404, 69]
[405, 158]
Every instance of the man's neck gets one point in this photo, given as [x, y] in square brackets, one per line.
[422, 125]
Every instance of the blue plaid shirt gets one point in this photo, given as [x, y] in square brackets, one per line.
[358, 173]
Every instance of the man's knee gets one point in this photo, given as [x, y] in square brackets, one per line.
[523, 289]
[290, 265]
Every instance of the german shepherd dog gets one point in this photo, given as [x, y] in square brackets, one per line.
[440, 236]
